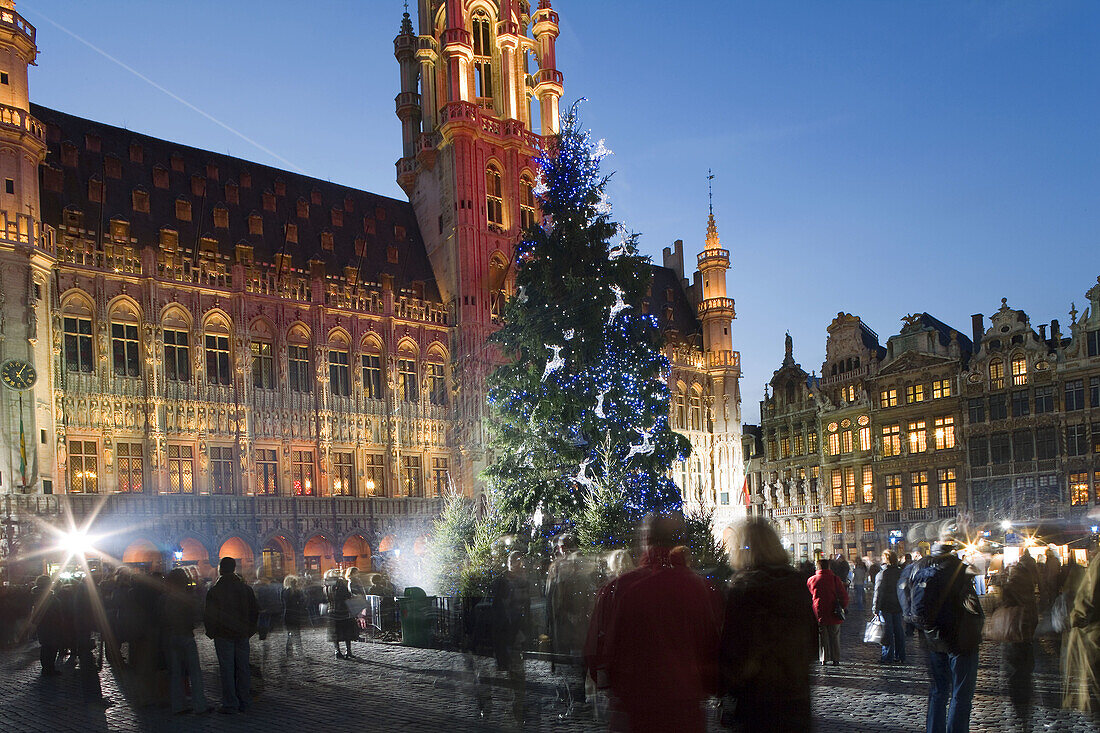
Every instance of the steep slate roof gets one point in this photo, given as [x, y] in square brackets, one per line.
[684, 319]
[371, 225]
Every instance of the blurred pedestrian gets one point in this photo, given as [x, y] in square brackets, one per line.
[49, 619]
[179, 615]
[830, 602]
[295, 615]
[859, 584]
[342, 627]
[652, 639]
[570, 593]
[270, 602]
[511, 613]
[1018, 645]
[230, 617]
[887, 606]
[769, 636]
[1082, 646]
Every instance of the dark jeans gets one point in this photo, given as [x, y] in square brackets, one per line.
[954, 677]
[233, 666]
[183, 659]
[893, 640]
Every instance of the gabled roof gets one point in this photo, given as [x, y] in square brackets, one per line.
[684, 318]
[373, 228]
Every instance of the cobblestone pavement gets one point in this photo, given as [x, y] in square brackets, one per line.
[393, 688]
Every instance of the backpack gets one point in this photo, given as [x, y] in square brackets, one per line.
[930, 586]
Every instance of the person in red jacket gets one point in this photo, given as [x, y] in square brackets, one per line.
[828, 592]
[653, 639]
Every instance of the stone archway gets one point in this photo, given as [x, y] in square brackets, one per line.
[277, 558]
[318, 554]
[241, 551]
[143, 553]
[191, 552]
[357, 553]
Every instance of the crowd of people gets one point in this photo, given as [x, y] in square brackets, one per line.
[641, 640]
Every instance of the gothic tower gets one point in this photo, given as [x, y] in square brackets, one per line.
[469, 82]
[723, 365]
[26, 259]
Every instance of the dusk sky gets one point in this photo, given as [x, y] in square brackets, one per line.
[878, 158]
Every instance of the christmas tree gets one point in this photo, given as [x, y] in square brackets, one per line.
[581, 430]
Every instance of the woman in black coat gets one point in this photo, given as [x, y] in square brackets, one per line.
[342, 625]
[769, 639]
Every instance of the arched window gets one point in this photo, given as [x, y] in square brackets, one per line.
[681, 410]
[497, 273]
[494, 196]
[526, 202]
[371, 360]
[1019, 371]
[125, 346]
[263, 356]
[297, 357]
[407, 386]
[696, 409]
[216, 343]
[177, 345]
[996, 374]
[437, 383]
[339, 374]
[77, 325]
[482, 31]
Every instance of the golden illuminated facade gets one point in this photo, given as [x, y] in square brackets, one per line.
[237, 360]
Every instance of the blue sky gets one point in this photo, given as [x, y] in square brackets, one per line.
[873, 157]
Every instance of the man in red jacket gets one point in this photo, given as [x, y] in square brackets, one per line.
[828, 593]
[653, 639]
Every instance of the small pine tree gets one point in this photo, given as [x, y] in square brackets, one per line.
[581, 409]
[453, 533]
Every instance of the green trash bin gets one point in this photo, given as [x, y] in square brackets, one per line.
[416, 617]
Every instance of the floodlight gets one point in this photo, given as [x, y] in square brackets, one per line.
[77, 543]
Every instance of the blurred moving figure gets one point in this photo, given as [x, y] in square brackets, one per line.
[51, 624]
[230, 617]
[342, 625]
[1018, 651]
[570, 591]
[830, 594]
[511, 613]
[295, 614]
[179, 615]
[769, 637]
[886, 604]
[652, 639]
[1082, 646]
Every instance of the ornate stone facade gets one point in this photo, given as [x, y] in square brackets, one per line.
[238, 360]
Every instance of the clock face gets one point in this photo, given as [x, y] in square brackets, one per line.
[17, 374]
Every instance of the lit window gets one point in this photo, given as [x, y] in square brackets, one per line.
[868, 524]
[494, 196]
[996, 374]
[526, 203]
[374, 476]
[411, 476]
[263, 365]
[181, 470]
[849, 485]
[267, 471]
[918, 480]
[891, 440]
[945, 432]
[888, 398]
[811, 442]
[838, 487]
[846, 441]
[834, 444]
[83, 467]
[865, 438]
[343, 474]
[818, 524]
[868, 486]
[440, 476]
[1019, 371]
[221, 470]
[785, 447]
[941, 388]
[838, 526]
[798, 444]
[948, 489]
[129, 465]
[914, 393]
[1078, 489]
[893, 492]
[301, 472]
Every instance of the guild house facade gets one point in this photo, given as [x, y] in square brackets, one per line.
[213, 357]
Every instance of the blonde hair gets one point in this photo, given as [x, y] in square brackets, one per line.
[619, 562]
[754, 543]
[290, 582]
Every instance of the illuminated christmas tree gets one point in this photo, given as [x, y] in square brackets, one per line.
[581, 430]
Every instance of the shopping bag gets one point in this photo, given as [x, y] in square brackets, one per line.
[874, 632]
